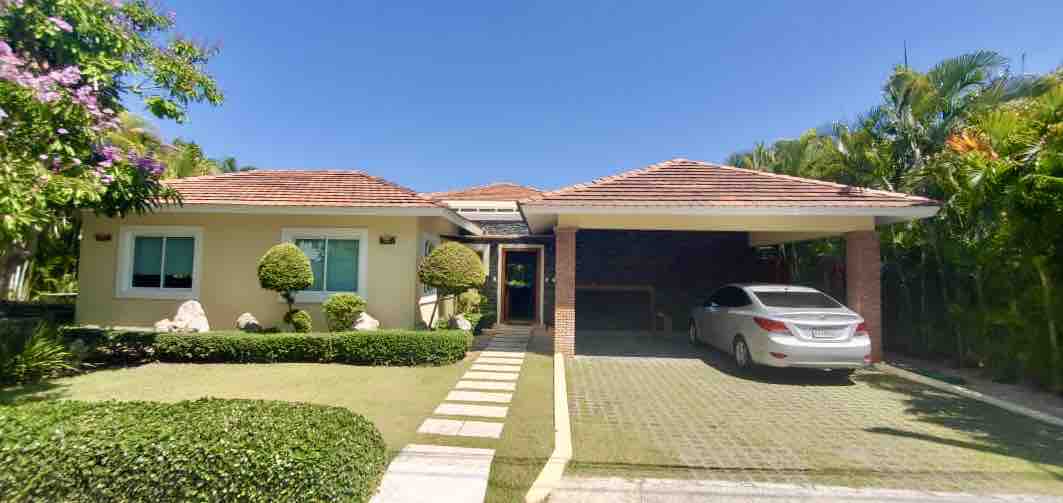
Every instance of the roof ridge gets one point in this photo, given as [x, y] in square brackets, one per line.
[481, 187]
[605, 179]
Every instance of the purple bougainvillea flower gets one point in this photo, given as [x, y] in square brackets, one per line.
[61, 24]
[62, 130]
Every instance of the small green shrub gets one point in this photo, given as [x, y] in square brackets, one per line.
[342, 311]
[487, 320]
[300, 321]
[101, 346]
[469, 302]
[30, 354]
[285, 269]
[202, 450]
[382, 347]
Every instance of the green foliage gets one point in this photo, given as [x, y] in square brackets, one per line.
[342, 311]
[381, 347]
[452, 268]
[487, 319]
[78, 63]
[202, 450]
[299, 320]
[976, 283]
[469, 302]
[285, 269]
[29, 354]
[98, 346]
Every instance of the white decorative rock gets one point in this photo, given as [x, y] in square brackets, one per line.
[191, 317]
[366, 322]
[460, 323]
[248, 323]
[165, 325]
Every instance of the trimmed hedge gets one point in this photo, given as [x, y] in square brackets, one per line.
[202, 450]
[380, 347]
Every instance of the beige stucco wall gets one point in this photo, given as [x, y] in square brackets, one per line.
[738, 223]
[232, 245]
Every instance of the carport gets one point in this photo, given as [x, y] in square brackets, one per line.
[638, 249]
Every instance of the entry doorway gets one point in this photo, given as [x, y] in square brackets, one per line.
[520, 285]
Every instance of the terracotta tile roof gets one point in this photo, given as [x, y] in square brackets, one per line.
[501, 191]
[686, 183]
[298, 188]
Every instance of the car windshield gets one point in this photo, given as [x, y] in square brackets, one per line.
[796, 299]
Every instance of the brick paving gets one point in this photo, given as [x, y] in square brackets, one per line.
[662, 407]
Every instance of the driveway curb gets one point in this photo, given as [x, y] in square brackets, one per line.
[550, 476]
[967, 393]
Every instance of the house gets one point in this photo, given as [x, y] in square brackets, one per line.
[634, 250]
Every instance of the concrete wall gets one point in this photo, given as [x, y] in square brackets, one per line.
[231, 247]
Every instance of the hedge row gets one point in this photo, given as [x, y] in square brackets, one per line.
[381, 347]
[203, 450]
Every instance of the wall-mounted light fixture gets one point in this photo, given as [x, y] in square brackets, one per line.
[387, 239]
[103, 236]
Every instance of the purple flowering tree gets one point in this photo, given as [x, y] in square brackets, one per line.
[65, 69]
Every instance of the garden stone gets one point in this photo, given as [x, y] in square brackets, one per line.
[165, 325]
[460, 323]
[191, 317]
[248, 323]
[366, 322]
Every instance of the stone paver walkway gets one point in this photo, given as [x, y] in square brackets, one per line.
[658, 407]
[477, 407]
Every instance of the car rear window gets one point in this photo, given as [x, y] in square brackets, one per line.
[796, 299]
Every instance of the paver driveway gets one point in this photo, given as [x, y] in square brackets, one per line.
[658, 407]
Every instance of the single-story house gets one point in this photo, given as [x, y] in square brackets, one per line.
[634, 250]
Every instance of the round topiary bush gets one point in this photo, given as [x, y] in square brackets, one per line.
[300, 321]
[285, 269]
[202, 450]
[342, 311]
[451, 268]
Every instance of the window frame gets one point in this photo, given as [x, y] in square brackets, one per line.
[127, 235]
[427, 294]
[290, 234]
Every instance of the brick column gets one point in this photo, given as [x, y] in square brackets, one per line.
[565, 291]
[863, 283]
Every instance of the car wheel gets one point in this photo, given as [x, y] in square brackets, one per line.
[692, 333]
[743, 359]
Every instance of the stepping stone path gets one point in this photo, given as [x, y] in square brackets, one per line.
[477, 407]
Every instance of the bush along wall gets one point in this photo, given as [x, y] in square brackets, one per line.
[202, 450]
[382, 347]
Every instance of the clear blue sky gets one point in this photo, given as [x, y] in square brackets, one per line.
[437, 95]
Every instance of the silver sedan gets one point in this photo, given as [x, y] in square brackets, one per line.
[782, 326]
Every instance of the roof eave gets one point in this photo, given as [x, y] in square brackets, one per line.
[883, 214]
[250, 209]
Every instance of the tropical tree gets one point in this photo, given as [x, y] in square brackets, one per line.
[65, 69]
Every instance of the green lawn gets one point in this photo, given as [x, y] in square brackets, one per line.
[396, 399]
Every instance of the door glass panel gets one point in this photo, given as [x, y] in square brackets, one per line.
[147, 262]
[342, 275]
[315, 251]
[178, 270]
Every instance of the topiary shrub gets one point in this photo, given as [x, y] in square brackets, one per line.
[299, 320]
[285, 269]
[202, 450]
[469, 302]
[451, 269]
[342, 311]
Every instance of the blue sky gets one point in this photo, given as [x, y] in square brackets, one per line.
[439, 95]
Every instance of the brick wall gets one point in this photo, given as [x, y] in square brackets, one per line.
[863, 283]
[565, 291]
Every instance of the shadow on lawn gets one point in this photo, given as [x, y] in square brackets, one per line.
[632, 344]
[991, 429]
[17, 395]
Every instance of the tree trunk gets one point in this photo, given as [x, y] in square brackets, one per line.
[1040, 263]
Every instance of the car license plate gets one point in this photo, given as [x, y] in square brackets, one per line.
[826, 333]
